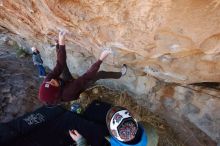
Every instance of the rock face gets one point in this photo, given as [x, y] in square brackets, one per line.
[160, 40]
[176, 41]
[18, 85]
[187, 106]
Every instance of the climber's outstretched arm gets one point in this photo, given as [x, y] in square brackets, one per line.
[61, 59]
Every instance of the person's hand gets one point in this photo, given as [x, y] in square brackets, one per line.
[62, 37]
[104, 54]
[75, 135]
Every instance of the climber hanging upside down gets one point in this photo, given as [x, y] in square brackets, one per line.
[56, 89]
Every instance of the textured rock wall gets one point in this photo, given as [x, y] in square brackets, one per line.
[18, 82]
[176, 41]
[173, 41]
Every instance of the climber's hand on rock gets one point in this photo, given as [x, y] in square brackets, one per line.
[104, 54]
[62, 38]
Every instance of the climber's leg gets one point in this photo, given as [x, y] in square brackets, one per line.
[103, 75]
[39, 70]
[42, 70]
[108, 75]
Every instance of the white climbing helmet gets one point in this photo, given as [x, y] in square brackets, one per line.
[121, 124]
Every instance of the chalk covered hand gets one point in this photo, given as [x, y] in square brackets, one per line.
[104, 54]
[79, 139]
[62, 38]
[75, 135]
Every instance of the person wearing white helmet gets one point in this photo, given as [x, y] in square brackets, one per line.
[123, 128]
[38, 62]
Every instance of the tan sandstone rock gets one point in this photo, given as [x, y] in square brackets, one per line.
[168, 40]
[176, 41]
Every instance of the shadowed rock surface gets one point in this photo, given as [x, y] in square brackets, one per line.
[18, 84]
